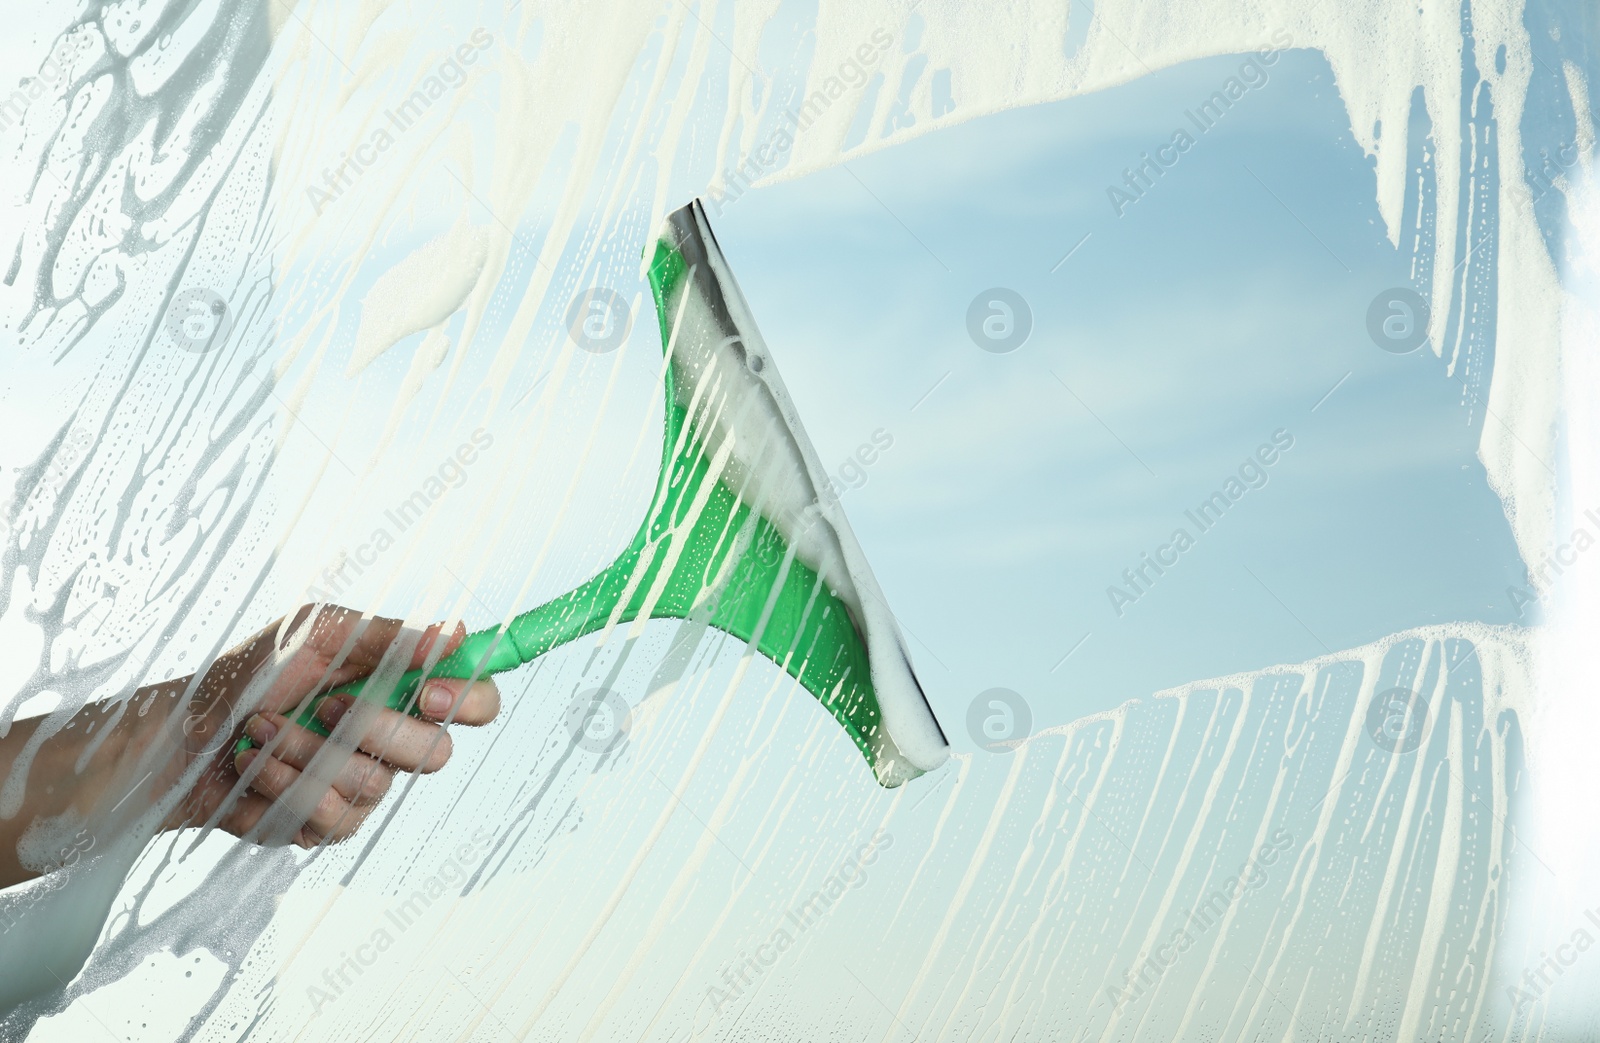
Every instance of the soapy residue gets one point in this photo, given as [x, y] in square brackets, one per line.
[419, 293]
[165, 166]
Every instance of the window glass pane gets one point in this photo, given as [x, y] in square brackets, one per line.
[928, 521]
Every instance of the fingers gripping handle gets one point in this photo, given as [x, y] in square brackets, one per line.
[486, 652]
[401, 697]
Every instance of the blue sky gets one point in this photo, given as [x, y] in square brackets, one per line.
[1219, 308]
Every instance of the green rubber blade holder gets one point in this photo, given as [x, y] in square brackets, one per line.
[808, 632]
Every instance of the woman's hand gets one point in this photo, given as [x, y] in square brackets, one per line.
[332, 794]
[91, 778]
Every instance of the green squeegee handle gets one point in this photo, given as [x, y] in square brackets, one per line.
[485, 652]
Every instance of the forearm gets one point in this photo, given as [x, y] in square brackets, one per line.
[75, 777]
[92, 780]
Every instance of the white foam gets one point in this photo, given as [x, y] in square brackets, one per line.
[419, 292]
[574, 72]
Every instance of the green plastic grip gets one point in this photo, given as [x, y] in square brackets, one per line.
[488, 651]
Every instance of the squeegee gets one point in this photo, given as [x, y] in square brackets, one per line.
[742, 530]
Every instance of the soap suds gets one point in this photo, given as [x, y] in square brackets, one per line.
[419, 293]
[1180, 790]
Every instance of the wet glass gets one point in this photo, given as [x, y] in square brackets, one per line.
[923, 521]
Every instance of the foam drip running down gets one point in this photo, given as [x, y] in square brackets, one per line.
[1375, 917]
[1325, 885]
